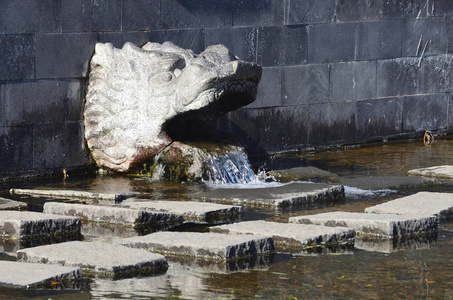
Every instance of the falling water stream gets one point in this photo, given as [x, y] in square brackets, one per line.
[419, 271]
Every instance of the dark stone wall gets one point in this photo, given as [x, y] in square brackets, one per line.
[335, 71]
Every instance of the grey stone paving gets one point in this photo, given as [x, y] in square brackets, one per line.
[388, 225]
[387, 182]
[190, 210]
[210, 246]
[445, 171]
[99, 259]
[113, 214]
[422, 203]
[27, 275]
[26, 224]
[304, 173]
[71, 194]
[291, 237]
[7, 204]
[296, 193]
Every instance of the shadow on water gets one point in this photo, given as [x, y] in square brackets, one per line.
[420, 269]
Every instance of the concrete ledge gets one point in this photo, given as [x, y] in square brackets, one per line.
[285, 195]
[98, 259]
[112, 214]
[422, 203]
[445, 172]
[7, 204]
[291, 237]
[34, 225]
[387, 225]
[71, 194]
[209, 246]
[29, 275]
[191, 211]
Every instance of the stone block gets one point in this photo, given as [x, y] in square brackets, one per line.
[16, 147]
[195, 212]
[118, 39]
[17, 57]
[257, 13]
[196, 14]
[397, 77]
[353, 81]
[282, 46]
[305, 84]
[373, 225]
[424, 112]
[30, 16]
[437, 74]
[421, 203]
[26, 225]
[7, 204]
[64, 55]
[379, 40]
[269, 89]
[331, 42]
[331, 123]
[283, 128]
[106, 15]
[443, 172]
[418, 32]
[291, 237]
[358, 10]
[29, 275]
[294, 194]
[68, 194]
[59, 146]
[44, 101]
[209, 246]
[298, 12]
[98, 259]
[139, 15]
[379, 118]
[240, 41]
[193, 39]
[75, 15]
[408, 9]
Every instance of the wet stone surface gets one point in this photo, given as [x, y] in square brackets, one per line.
[445, 172]
[209, 246]
[71, 194]
[98, 259]
[384, 225]
[291, 237]
[7, 204]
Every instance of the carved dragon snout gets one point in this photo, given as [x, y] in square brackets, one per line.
[133, 91]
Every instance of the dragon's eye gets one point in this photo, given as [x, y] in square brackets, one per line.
[167, 77]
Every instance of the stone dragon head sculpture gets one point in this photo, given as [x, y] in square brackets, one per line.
[133, 91]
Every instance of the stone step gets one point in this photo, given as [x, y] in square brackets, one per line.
[379, 225]
[422, 203]
[442, 172]
[30, 275]
[209, 246]
[293, 194]
[98, 259]
[114, 214]
[30, 225]
[7, 204]
[71, 194]
[289, 237]
[191, 211]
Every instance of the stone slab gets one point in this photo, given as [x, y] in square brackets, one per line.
[293, 194]
[210, 246]
[98, 259]
[291, 237]
[444, 171]
[112, 214]
[387, 225]
[30, 225]
[304, 173]
[419, 242]
[422, 203]
[387, 182]
[191, 211]
[26, 275]
[71, 194]
[7, 204]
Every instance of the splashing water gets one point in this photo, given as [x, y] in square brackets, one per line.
[231, 167]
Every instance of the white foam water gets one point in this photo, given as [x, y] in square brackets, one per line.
[353, 192]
